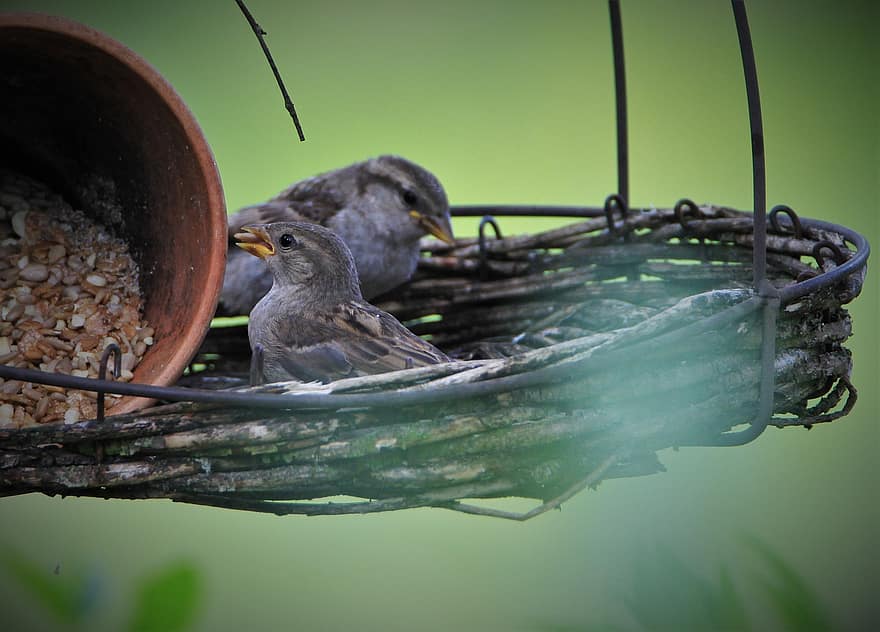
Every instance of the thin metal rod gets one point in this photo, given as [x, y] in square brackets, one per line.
[525, 210]
[763, 288]
[620, 99]
[759, 184]
[767, 384]
[855, 263]
[114, 350]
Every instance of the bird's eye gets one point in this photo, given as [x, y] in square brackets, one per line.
[286, 241]
[410, 198]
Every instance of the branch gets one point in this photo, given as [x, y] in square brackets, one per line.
[259, 32]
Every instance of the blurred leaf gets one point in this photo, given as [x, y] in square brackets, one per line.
[667, 595]
[731, 608]
[788, 593]
[68, 596]
[167, 600]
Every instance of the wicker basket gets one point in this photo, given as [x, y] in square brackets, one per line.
[583, 351]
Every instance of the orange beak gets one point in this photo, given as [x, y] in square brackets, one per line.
[439, 227]
[256, 241]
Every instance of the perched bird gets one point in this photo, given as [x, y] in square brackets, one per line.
[381, 208]
[314, 323]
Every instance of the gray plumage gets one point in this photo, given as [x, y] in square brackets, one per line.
[314, 324]
[380, 207]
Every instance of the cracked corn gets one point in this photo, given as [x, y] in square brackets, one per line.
[68, 288]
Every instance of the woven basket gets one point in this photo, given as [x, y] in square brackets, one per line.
[582, 352]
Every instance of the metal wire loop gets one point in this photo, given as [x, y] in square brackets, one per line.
[798, 229]
[838, 257]
[487, 220]
[683, 205]
[610, 202]
[114, 350]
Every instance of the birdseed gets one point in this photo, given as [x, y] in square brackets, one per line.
[68, 288]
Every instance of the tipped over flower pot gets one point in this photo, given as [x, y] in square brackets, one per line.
[99, 126]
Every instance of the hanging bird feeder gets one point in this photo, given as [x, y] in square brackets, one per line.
[583, 351]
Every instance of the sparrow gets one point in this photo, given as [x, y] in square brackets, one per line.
[314, 324]
[380, 207]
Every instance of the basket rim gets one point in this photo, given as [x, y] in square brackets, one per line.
[395, 397]
[787, 294]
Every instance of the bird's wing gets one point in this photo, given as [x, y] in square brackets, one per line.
[323, 362]
[374, 341]
[316, 199]
[355, 338]
[274, 211]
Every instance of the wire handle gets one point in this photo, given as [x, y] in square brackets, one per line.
[620, 100]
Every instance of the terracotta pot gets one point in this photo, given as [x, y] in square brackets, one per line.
[84, 114]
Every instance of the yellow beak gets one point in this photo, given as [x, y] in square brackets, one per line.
[440, 228]
[256, 241]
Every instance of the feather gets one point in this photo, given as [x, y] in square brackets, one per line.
[313, 323]
[380, 207]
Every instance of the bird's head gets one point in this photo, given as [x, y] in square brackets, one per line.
[412, 201]
[307, 258]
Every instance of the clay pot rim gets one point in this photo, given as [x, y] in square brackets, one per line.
[214, 266]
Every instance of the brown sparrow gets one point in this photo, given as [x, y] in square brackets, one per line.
[381, 208]
[314, 323]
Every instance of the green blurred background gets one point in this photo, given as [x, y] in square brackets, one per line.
[512, 102]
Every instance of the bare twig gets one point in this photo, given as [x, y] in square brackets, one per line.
[259, 32]
[590, 480]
